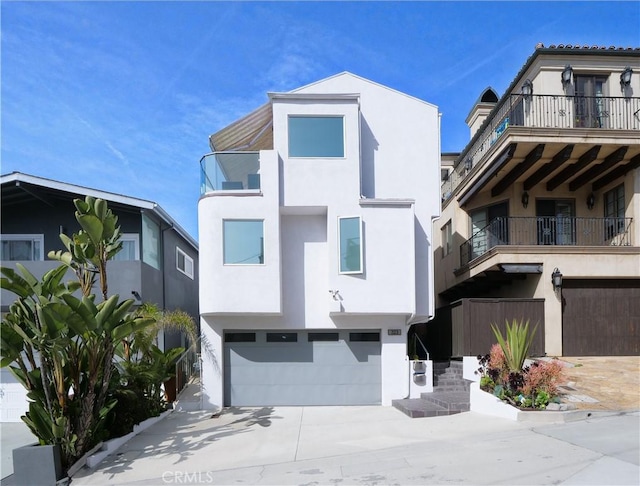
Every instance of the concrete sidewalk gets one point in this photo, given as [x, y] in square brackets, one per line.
[372, 445]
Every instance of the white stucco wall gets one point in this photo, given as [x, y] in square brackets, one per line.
[389, 177]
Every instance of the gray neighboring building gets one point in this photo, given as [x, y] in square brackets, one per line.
[158, 262]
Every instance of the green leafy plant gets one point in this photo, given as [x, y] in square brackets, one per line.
[61, 347]
[517, 343]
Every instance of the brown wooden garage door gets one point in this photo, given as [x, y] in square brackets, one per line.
[601, 318]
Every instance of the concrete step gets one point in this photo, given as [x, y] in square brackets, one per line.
[418, 408]
[453, 401]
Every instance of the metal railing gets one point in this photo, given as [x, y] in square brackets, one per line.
[188, 366]
[544, 230]
[229, 171]
[544, 111]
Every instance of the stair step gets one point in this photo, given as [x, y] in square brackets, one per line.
[419, 408]
[452, 401]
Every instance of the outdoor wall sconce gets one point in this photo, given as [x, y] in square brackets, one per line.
[556, 279]
[625, 77]
[527, 88]
[566, 75]
[525, 199]
[591, 201]
[136, 294]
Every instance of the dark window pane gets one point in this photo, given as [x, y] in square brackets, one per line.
[323, 336]
[364, 336]
[239, 337]
[282, 337]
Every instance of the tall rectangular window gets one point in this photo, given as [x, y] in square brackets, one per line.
[130, 248]
[243, 242]
[447, 239]
[151, 252]
[316, 136]
[184, 263]
[22, 248]
[614, 211]
[350, 237]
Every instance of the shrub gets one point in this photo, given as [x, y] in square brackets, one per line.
[544, 376]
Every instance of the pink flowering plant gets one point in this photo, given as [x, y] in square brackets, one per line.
[529, 387]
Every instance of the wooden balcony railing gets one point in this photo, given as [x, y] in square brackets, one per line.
[544, 230]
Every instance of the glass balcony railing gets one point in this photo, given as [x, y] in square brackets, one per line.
[229, 171]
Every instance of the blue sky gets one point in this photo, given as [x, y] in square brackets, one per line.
[122, 96]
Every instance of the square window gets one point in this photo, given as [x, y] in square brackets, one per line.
[243, 242]
[316, 136]
[22, 248]
[184, 263]
[350, 237]
[130, 248]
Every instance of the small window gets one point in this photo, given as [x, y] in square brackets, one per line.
[364, 336]
[350, 235]
[447, 241]
[243, 242]
[282, 337]
[151, 235]
[323, 336]
[130, 248]
[316, 136]
[239, 337]
[184, 263]
[22, 248]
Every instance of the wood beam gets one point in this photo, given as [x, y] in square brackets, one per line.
[611, 160]
[584, 160]
[518, 170]
[620, 171]
[557, 161]
[494, 167]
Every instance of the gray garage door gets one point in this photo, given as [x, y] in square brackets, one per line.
[302, 368]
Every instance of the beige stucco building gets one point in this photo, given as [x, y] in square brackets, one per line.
[549, 182]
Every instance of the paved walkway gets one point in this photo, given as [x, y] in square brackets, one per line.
[372, 445]
[379, 445]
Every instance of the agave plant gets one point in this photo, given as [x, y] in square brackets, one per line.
[517, 343]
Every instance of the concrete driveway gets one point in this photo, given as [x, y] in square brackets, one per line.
[372, 445]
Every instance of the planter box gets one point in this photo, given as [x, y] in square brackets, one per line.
[37, 464]
[488, 404]
[112, 445]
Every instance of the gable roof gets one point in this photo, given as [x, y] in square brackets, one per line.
[22, 182]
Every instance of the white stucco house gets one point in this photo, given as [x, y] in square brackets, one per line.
[315, 226]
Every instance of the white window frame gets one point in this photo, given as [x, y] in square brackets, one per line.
[224, 241]
[27, 237]
[187, 258]
[135, 238]
[314, 115]
[360, 227]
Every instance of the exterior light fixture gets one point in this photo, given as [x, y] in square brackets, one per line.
[566, 75]
[136, 294]
[527, 88]
[556, 279]
[591, 201]
[625, 77]
[525, 199]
